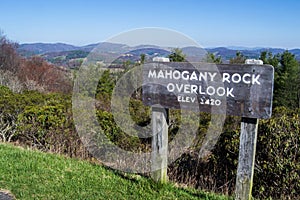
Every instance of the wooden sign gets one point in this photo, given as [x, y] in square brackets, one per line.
[239, 90]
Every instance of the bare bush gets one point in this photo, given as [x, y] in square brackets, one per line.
[8, 79]
[33, 85]
[7, 127]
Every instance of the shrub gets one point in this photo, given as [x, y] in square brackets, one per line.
[277, 156]
[277, 167]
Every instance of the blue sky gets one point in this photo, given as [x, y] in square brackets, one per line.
[252, 23]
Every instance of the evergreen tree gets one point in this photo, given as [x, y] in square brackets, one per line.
[238, 59]
[177, 55]
[268, 58]
[143, 58]
[286, 80]
[211, 58]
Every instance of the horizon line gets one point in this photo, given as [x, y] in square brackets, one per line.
[231, 47]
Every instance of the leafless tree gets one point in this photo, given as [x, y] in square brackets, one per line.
[9, 58]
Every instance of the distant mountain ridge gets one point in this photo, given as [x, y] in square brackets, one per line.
[63, 53]
[41, 48]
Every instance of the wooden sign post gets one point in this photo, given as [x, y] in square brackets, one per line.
[159, 154]
[240, 90]
[245, 171]
[247, 149]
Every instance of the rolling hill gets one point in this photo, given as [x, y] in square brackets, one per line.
[63, 54]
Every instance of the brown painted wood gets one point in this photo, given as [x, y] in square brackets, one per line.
[245, 98]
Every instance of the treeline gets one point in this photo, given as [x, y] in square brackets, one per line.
[287, 78]
[36, 110]
[35, 73]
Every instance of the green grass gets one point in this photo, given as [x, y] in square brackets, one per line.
[31, 174]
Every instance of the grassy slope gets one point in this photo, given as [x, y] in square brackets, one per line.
[35, 175]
